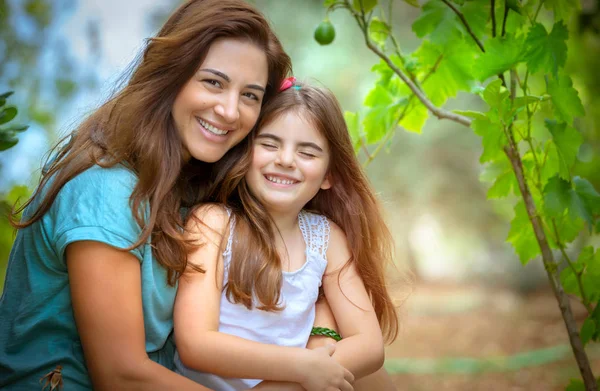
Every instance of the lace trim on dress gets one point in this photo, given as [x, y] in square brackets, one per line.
[316, 231]
[231, 229]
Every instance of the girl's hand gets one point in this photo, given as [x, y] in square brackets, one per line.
[323, 373]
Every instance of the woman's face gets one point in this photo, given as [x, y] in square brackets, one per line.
[220, 104]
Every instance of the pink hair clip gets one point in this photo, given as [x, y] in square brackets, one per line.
[287, 83]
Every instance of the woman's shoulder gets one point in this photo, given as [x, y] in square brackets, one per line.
[117, 177]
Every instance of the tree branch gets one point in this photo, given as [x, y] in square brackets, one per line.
[504, 20]
[436, 111]
[465, 23]
[493, 12]
[577, 274]
[551, 270]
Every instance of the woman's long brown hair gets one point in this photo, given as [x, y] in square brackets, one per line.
[135, 127]
[255, 267]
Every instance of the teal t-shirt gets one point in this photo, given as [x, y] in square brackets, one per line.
[37, 328]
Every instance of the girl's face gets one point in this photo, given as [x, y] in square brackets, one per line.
[220, 104]
[289, 163]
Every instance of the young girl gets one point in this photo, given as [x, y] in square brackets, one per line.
[296, 212]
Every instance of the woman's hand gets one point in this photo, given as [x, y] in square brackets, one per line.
[323, 373]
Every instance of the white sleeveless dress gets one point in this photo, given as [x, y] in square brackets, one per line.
[289, 327]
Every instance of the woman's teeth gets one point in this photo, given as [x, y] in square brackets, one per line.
[211, 128]
[281, 181]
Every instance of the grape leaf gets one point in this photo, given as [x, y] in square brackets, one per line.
[565, 98]
[505, 184]
[367, 5]
[449, 70]
[353, 124]
[521, 235]
[379, 31]
[383, 114]
[439, 22]
[557, 196]
[501, 54]
[567, 140]
[546, 52]
[493, 139]
[562, 9]
[415, 117]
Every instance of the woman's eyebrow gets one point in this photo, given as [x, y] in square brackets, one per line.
[305, 144]
[228, 79]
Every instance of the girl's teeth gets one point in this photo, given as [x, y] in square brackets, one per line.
[211, 128]
[280, 181]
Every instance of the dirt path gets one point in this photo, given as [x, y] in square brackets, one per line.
[442, 322]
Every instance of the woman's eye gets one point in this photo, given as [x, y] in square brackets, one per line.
[307, 154]
[269, 146]
[213, 82]
[252, 96]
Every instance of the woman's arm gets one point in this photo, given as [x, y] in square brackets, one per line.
[106, 292]
[196, 317]
[362, 349]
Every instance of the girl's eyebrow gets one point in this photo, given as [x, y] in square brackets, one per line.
[228, 79]
[306, 144]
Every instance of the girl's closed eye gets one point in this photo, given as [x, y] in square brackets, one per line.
[269, 145]
[307, 154]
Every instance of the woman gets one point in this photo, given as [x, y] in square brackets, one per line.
[91, 278]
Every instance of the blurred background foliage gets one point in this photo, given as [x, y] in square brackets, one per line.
[63, 57]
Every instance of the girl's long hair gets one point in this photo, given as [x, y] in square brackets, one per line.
[135, 127]
[255, 269]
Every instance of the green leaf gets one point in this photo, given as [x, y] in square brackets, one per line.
[562, 9]
[575, 385]
[6, 94]
[379, 31]
[565, 98]
[448, 69]
[587, 201]
[514, 6]
[557, 196]
[501, 54]
[14, 128]
[329, 3]
[505, 184]
[569, 282]
[494, 94]
[546, 52]
[366, 5]
[383, 114]
[415, 117]
[439, 22]
[493, 139]
[581, 203]
[587, 330]
[521, 235]
[414, 3]
[353, 124]
[7, 114]
[567, 140]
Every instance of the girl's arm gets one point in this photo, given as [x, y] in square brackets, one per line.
[196, 316]
[362, 349]
[106, 292]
